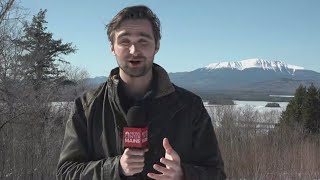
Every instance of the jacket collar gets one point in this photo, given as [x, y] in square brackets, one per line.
[163, 84]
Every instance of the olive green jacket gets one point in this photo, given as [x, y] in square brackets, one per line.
[92, 144]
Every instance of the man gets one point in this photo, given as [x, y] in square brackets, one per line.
[182, 142]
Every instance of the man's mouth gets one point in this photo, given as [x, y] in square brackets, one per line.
[135, 62]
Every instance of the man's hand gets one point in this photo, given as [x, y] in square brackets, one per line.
[132, 161]
[173, 170]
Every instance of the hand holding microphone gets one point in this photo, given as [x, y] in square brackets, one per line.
[135, 141]
[132, 161]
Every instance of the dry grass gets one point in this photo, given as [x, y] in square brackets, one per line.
[253, 153]
[249, 152]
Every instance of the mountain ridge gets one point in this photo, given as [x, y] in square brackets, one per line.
[247, 75]
[255, 63]
[261, 76]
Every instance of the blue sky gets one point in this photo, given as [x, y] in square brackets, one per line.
[194, 33]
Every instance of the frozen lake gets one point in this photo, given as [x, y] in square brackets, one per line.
[255, 105]
[267, 114]
[260, 105]
[257, 110]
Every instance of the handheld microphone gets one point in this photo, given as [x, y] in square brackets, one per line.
[136, 134]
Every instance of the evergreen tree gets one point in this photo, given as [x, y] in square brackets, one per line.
[42, 54]
[292, 117]
[310, 112]
[303, 111]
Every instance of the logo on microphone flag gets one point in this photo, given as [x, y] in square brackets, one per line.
[135, 137]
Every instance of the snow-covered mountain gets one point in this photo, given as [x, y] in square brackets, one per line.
[251, 75]
[247, 75]
[255, 63]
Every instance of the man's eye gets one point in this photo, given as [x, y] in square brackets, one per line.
[124, 42]
[143, 42]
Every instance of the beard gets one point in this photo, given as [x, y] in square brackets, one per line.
[140, 71]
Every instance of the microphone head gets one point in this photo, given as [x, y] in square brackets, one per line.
[136, 117]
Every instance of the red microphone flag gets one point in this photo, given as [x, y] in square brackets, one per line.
[135, 137]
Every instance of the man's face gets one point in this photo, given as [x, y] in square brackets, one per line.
[134, 47]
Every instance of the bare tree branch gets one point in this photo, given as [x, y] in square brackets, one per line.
[4, 124]
[5, 8]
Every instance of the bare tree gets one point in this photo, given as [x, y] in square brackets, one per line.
[75, 73]
[11, 110]
[10, 29]
[5, 9]
[30, 132]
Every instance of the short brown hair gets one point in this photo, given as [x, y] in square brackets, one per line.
[135, 12]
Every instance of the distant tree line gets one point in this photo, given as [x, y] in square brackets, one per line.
[228, 95]
[303, 111]
[272, 105]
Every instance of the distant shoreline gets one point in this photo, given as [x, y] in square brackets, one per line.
[288, 96]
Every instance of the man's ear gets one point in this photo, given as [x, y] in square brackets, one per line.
[112, 48]
[157, 47]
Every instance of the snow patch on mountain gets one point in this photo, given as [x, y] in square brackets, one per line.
[256, 63]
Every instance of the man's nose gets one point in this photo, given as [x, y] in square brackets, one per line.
[133, 49]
